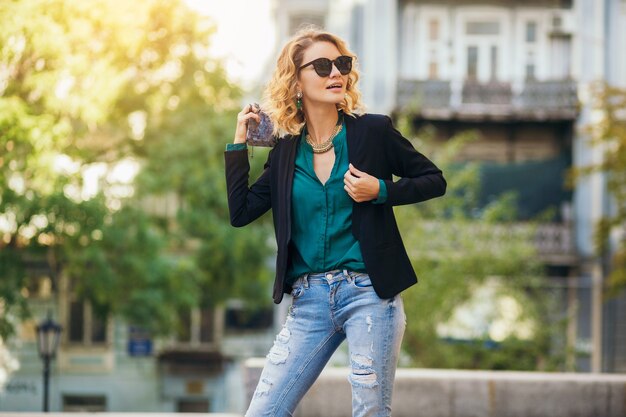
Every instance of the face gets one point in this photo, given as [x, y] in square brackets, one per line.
[315, 89]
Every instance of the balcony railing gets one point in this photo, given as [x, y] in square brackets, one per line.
[498, 93]
[553, 242]
[533, 100]
[561, 4]
[548, 97]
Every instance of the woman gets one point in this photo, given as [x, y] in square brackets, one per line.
[329, 184]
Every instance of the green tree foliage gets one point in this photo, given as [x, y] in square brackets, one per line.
[608, 132]
[457, 248]
[105, 85]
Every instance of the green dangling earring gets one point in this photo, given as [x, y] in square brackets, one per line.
[299, 100]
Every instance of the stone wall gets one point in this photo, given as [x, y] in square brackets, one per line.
[457, 393]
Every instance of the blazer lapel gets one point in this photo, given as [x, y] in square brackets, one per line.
[353, 132]
[286, 173]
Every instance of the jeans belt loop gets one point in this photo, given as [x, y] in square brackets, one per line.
[346, 275]
[305, 280]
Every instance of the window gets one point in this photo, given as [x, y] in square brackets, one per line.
[196, 326]
[433, 30]
[193, 406]
[240, 318]
[98, 328]
[560, 56]
[85, 326]
[482, 28]
[38, 287]
[84, 403]
[472, 62]
[183, 330]
[433, 67]
[207, 325]
[494, 62]
[433, 71]
[77, 322]
[530, 71]
[531, 32]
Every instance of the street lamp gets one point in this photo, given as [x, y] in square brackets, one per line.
[48, 333]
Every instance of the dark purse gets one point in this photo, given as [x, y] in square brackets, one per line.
[260, 134]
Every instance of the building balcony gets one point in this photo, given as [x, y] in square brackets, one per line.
[554, 100]
[554, 4]
[555, 244]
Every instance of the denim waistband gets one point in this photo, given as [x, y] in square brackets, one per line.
[329, 276]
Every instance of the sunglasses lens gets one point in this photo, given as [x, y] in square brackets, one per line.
[323, 66]
[344, 64]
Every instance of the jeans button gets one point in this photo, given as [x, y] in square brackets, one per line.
[329, 275]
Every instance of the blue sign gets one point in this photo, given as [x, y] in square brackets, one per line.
[139, 342]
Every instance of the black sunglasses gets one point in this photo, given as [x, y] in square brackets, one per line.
[324, 66]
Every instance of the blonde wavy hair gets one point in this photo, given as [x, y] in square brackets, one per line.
[279, 98]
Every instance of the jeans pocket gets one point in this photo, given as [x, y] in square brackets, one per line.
[296, 292]
[361, 281]
[297, 289]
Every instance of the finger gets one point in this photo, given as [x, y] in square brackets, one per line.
[249, 108]
[251, 115]
[350, 180]
[245, 110]
[350, 174]
[349, 191]
[244, 121]
[354, 197]
[355, 171]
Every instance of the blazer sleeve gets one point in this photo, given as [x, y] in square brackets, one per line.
[246, 204]
[420, 179]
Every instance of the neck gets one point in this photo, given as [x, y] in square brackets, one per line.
[320, 121]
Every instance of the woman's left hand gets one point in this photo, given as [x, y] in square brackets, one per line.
[360, 185]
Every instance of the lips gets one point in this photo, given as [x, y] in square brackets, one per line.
[334, 86]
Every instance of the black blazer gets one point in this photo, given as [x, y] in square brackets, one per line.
[375, 147]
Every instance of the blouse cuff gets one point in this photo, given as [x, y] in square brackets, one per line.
[236, 146]
[382, 193]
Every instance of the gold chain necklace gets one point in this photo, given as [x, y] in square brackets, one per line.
[326, 145]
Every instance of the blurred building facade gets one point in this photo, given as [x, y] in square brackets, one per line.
[519, 72]
[105, 365]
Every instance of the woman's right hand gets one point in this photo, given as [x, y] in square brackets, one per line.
[243, 116]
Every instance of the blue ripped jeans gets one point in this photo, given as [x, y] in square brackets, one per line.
[326, 309]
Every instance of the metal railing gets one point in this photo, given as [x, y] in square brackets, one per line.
[553, 242]
[534, 100]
